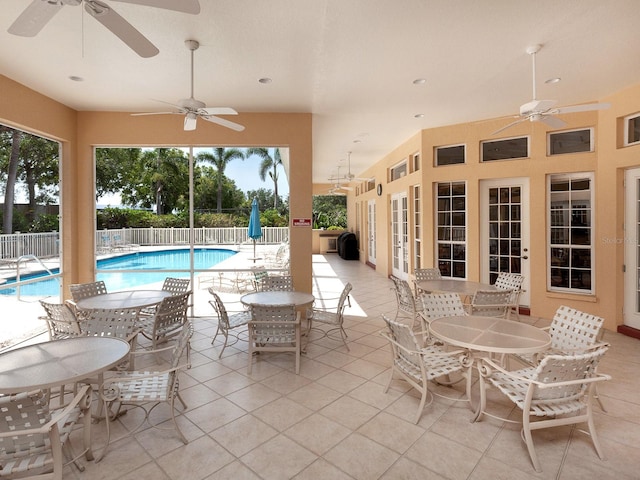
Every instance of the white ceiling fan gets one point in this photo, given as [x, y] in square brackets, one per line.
[337, 187]
[543, 110]
[33, 19]
[192, 108]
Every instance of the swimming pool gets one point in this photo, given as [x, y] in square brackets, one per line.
[154, 267]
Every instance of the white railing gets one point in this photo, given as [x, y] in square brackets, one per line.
[42, 245]
[47, 245]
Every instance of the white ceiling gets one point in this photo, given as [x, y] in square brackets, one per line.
[351, 63]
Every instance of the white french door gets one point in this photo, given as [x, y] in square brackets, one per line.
[631, 316]
[399, 236]
[371, 232]
[504, 231]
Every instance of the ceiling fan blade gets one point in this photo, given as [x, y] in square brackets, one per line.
[223, 122]
[217, 111]
[342, 187]
[190, 121]
[524, 119]
[185, 6]
[34, 18]
[553, 122]
[582, 108]
[121, 28]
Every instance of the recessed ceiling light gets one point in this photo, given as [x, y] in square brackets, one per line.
[265, 80]
[553, 80]
[75, 78]
[418, 115]
[419, 81]
[357, 140]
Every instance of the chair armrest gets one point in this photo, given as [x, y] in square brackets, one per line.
[598, 377]
[108, 388]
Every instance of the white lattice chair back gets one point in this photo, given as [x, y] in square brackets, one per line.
[438, 305]
[427, 274]
[85, 290]
[176, 285]
[277, 283]
[574, 330]
[404, 296]
[491, 303]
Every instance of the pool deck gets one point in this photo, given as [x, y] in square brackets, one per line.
[20, 321]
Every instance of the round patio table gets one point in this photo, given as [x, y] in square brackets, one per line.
[124, 299]
[487, 335]
[462, 287]
[298, 299]
[59, 362]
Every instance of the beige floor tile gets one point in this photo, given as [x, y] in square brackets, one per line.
[198, 459]
[392, 432]
[318, 433]
[282, 413]
[444, 456]
[341, 381]
[278, 458]
[321, 469]
[349, 412]
[243, 435]
[314, 396]
[253, 396]
[371, 461]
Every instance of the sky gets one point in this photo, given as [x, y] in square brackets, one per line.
[243, 172]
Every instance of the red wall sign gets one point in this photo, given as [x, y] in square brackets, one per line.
[301, 222]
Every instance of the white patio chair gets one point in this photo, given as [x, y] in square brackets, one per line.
[119, 323]
[274, 329]
[61, 320]
[407, 305]
[148, 389]
[556, 392]
[438, 305]
[273, 283]
[421, 274]
[227, 321]
[512, 282]
[331, 316]
[168, 319]
[34, 438]
[418, 365]
[572, 332]
[490, 303]
[84, 290]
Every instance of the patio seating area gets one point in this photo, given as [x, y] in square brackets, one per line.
[334, 420]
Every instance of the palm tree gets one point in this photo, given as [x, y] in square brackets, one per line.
[220, 158]
[269, 165]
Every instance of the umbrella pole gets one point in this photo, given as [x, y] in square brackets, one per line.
[254, 250]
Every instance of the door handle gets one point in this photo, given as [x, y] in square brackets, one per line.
[525, 257]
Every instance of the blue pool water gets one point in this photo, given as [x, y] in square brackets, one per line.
[152, 266]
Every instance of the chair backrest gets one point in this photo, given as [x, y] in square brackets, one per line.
[573, 330]
[438, 305]
[427, 274]
[221, 311]
[405, 346]
[176, 285]
[565, 370]
[85, 290]
[491, 303]
[277, 283]
[23, 411]
[258, 274]
[273, 324]
[120, 323]
[404, 297]
[171, 313]
[510, 281]
[61, 321]
[344, 298]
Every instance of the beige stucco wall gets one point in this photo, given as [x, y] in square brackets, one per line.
[608, 162]
[80, 132]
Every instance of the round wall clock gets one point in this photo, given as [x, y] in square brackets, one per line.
[379, 189]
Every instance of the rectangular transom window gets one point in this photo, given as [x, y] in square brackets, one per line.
[451, 221]
[632, 129]
[570, 232]
[573, 141]
[398, 171]
[449, 155]
[505, 149]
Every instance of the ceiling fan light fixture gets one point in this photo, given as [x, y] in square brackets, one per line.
[419, 115]
[551, 81]
[419, 81]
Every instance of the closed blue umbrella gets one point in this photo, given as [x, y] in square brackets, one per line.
[255, 231]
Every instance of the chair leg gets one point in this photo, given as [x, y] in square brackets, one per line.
[528, 439]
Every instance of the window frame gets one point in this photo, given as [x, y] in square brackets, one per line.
[561, 132]
[527, 155]
[571, 211]
[446, 265]
[442, 147]
[626, 121]
[398, 167]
